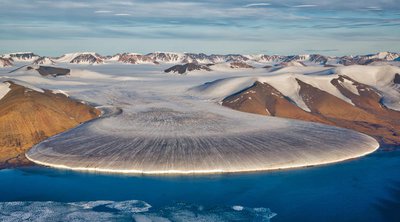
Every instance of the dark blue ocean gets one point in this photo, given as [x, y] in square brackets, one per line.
[364, 189]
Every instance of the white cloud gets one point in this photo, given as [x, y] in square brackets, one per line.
[304, 6]
[199, 21]
[102, 11]
[374, 8]
[122, 14]
[65, 4]
[257, 4]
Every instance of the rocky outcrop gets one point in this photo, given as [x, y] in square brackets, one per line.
[314, 58]
[135, 59]
[366, 114]
[50, 71]
[5, 62]
[240, 65]
[28, 116]
[188, 67]
[166, 57]
[396, 79]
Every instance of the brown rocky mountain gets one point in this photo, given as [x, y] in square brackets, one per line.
[262, 98]
[28, 116]
[367, 115]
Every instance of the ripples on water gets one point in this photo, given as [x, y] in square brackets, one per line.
[135, 210]
[364, 189]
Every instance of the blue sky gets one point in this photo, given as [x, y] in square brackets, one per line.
[334, 27]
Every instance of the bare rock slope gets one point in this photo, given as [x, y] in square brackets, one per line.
[366, 114]
[28, 116]
[188, 67]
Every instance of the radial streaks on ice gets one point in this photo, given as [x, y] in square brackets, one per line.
[189, 137]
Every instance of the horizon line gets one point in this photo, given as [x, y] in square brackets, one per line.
[177, 52]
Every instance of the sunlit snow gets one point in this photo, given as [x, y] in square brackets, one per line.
[161, 123]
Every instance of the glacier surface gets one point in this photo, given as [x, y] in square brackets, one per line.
[156, 123]
[196, 138]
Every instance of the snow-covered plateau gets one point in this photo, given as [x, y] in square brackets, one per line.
[156, 123]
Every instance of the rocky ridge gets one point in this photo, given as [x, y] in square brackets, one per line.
[361, 108]
[30, 115]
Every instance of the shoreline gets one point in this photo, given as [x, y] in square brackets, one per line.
[16, 162]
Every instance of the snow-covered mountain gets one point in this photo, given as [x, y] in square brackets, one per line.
[267, 58]
[4, 62]
[201, 58]
[292, 63]
[134, 58]
[167, 57]
[81, 58]
[44, 61]
[21, 56]
[313, 59]
[384, 56]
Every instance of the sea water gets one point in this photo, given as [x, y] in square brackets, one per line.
[364, 189]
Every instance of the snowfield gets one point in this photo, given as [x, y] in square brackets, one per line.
[4, 89]
[380, 77]
[167, 123]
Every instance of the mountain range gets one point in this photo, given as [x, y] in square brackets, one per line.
[245, 61]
